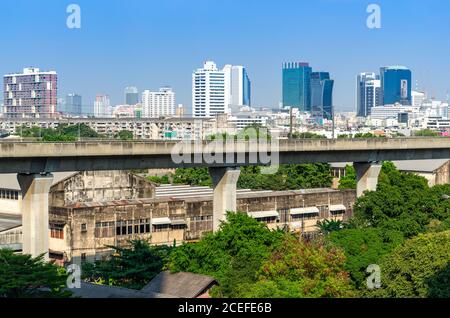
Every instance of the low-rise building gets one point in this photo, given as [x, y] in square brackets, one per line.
[89, 211]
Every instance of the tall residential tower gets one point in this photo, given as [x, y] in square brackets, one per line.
[31, 94]
[157, 104]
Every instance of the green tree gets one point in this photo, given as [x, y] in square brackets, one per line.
[402, 202]
[232, 255]
[417, 268]
[426, 133]
[363, 247]
[349, 180]
[24, 276]
[301, 269]
[160, 180]
[327, 226]
[131, 267]
[124, 135]
[307, 135]
[192, 176]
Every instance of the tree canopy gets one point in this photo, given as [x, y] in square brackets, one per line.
[131, 267]
[24, 276]
[417, 268]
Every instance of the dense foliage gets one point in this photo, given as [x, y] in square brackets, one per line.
[426, 133]
[128, 267]
[418, 268]
[249, 260]
[402, 202]
[348, 181]
[299, 269]
[63, 132]
[288, 177]
[307, 135]
[124, 135]
[403, 207]
[24, 276]
[363, 247]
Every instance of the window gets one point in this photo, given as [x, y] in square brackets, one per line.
[83, 257]
[306, 216]
[83, 228]
[161, 227]
[57, 231]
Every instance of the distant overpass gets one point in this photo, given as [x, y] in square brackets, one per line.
[35, 161]
[40, 157]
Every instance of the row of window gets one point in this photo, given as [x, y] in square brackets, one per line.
[129, 227]
[9, 194]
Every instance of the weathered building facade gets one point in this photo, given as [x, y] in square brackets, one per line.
[90, 211]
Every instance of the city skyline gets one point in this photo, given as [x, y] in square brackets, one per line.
[267, 45]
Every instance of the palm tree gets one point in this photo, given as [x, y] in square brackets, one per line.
[328, 226]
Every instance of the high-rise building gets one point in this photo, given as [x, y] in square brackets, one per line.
[131, 95]
[322, 95]
[297, 86]
[102, 107]
[240, 85]
[31, 94]
[157, 104]
[417, 98]
[395, 85]
[368, 93]
[210, 91]
[73, 104]
[214, 91]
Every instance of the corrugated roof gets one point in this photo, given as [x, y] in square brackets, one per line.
[263, 214]
[89, 290]
[184, 285]
[305, 210]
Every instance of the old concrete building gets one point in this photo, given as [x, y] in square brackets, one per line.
[89, 211]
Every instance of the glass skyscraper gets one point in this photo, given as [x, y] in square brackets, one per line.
[368, 93]
[322, 95]
[297, 86]
[131, 95]
[395, 85]
[73, 104]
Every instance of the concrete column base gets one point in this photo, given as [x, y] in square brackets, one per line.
[35, 231]
[224, 200]
[366, 176]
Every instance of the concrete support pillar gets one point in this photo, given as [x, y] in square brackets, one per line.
[366, 176]
[224, 183]
[35, 190]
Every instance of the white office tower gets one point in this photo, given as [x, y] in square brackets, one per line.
[239, 84]
[368, 93]
[158, 104]
[417, 98]
[210, 91]
[102, 107]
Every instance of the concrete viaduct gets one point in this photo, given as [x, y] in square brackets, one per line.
[35, 161]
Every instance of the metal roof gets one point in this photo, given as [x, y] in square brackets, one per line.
[305, 210]
[263, 214]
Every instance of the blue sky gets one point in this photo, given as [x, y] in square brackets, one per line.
[160, 42]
